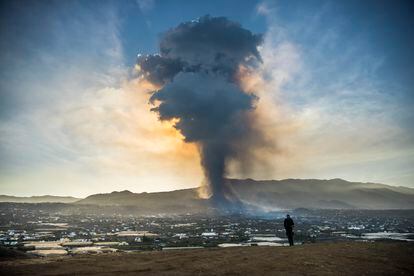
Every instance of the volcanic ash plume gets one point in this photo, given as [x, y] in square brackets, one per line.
[197, 69]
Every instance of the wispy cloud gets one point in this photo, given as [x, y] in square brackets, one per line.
[80, 125]
[332, 89]
[146, 5]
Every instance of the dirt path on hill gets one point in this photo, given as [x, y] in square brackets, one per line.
[346, 258]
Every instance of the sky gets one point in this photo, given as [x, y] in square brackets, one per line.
[336, 84]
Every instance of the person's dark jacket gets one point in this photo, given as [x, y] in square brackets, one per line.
[288, 224]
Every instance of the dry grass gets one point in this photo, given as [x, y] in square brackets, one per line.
[345, 258]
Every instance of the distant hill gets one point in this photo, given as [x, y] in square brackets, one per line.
[324, 194]
[270, 195]
[38, 199]
[179, 201]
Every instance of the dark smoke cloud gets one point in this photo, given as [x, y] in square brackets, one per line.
[160, 70]
[197, 69]
[214, 44]
[210, 45]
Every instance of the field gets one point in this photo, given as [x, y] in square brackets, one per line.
[341, 258]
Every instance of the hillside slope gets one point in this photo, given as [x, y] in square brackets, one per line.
[324, 194]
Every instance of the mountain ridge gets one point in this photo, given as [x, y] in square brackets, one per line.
[273, 194]
[258, 195]
[39, 199]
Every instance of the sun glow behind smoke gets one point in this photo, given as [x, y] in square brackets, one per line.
[159, 138]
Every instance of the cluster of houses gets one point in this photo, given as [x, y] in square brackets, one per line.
[65, 246]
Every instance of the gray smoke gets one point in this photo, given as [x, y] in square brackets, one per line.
[197, 70]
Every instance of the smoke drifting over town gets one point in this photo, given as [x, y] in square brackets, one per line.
[198, 71]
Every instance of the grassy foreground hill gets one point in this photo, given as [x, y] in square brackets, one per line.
[342, 258]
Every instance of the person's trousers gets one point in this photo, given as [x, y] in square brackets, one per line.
[289, 234]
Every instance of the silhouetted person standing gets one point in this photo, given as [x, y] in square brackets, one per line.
[289, 229]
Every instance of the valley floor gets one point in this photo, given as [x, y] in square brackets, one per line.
[341, 258]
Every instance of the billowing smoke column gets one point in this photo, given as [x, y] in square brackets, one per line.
[197, 69]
